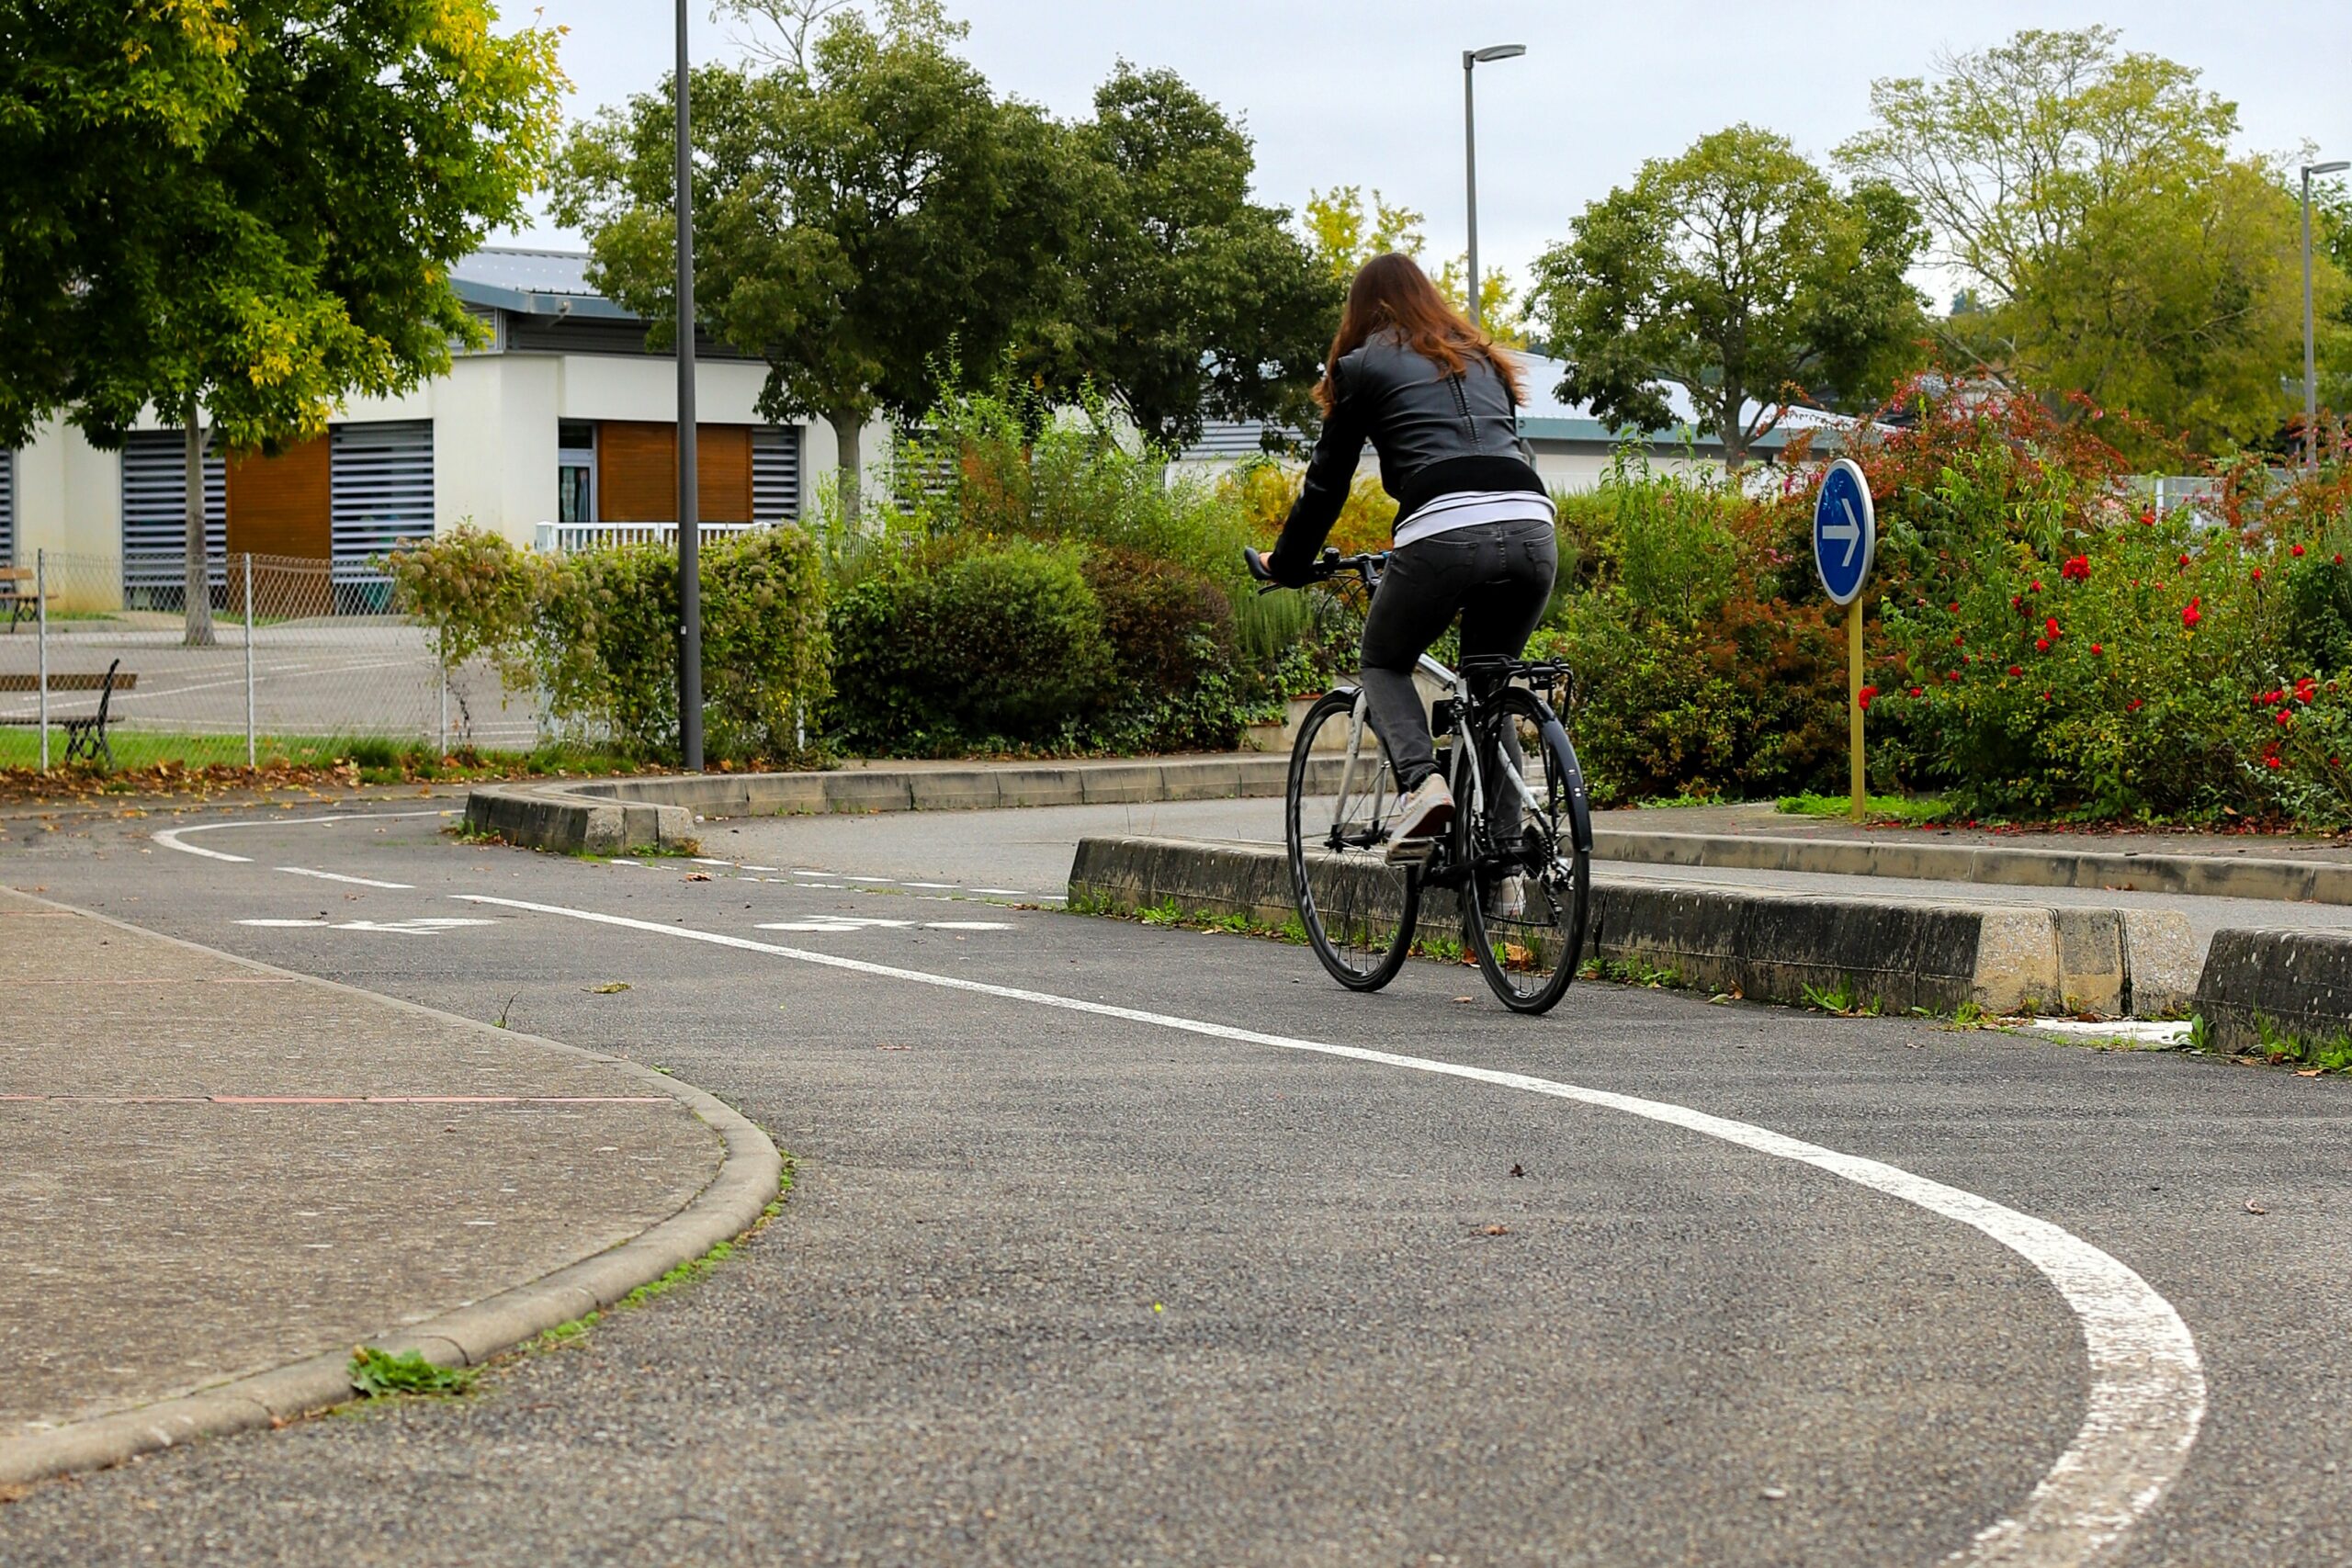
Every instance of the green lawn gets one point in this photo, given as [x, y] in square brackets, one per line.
[1875, 807]
[380, 759]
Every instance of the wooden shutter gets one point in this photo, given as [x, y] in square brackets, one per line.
[283, 505]
[636, 472]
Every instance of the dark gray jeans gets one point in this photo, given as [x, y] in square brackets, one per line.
[1496, 576]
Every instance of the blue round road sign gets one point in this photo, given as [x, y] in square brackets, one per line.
[1845, 531]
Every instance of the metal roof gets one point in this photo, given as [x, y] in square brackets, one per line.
[533, 282]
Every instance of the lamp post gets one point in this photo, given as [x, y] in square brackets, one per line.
[1470, 60]
[2310, 363]
[689, 528]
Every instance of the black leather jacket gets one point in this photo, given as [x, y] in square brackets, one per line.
[1436, 434]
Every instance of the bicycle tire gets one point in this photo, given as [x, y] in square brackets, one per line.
[1358, 912]
[1529, 959]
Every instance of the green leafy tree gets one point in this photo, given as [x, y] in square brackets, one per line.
[1187, 299]
[248, 211]
[2088, 200]
[1345, 233]
[1738, 272]
[865, 210]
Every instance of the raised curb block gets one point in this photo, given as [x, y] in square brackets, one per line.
[750, 1172]
[619, 816]
[1764, 944]
[2297, 982]
[2210, 877]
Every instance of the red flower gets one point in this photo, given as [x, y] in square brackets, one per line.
[2051, 628]
[2045, 696]
[2273, 761]
[1954, 606]
[2017, 600]
[2184, 560]
[2133, 706]
[2191, 616]
[2332, 761]
[1918, 691]
[2296, 550]
[2257, 574]
[1952, 675]
[2077, 569]
[2097, 650]
[2036, 586]
[1956, 642]
[2016, 669]
[2339, 555]
[2042, 645]
[1864, 696]
[2148, 517]
[2286, 716]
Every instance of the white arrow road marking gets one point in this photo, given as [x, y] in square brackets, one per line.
[857, 923]
[2147, 1393]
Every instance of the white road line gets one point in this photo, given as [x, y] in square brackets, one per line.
[170, 837]
[911, 883]
[992, 892]
[2147, 1393]
[355, 881]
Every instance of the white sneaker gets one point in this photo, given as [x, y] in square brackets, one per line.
[1508, 901]
[1423, 811]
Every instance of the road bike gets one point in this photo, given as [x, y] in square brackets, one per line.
[1517, 854]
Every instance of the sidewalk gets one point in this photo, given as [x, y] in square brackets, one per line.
[216, 1169]
[1761, 817]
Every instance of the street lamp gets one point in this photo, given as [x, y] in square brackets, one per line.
[2310, 365]
[689, 528]
[1470, 60]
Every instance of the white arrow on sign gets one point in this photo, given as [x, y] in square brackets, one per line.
[1851, 533]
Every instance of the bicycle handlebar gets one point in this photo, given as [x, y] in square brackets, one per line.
[1332, 564]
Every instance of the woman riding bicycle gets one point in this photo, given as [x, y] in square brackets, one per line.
[1474, 526]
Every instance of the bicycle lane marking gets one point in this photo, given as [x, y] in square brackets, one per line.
[170, 837]
[2147, 1384]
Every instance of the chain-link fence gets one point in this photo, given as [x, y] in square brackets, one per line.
[301, 659]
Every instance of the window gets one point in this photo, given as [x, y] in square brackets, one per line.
[154, 517]
[775, 473]
[381, 489]
[575, 472]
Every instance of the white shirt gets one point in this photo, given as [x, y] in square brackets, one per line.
[1468, 508]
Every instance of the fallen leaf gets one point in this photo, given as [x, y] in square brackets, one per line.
[697, 876]
[1462, 999]
[1516, 1171]
[894, 1047]
[1774, 1494]
[1496, 1230]
[2253, 1208]
[609, 988]
[2300, 1072]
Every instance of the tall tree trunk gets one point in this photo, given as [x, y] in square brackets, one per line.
[848, 455]
[198, 584]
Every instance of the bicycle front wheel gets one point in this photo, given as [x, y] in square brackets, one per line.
[1530, 890]
[1358, 909]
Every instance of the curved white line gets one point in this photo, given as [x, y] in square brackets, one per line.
[2147, 1386]
[170, 837]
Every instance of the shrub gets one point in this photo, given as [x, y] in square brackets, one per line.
[969, 643]
[1176, 679]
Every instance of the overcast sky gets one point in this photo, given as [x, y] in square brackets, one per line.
[1369, 92]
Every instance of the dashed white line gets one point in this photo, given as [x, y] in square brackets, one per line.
[355, 881]
[2147, 1393]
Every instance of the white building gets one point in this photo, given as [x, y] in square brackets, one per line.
[561, 416]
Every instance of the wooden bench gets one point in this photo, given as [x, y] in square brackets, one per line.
[19, 592]
[86, 734]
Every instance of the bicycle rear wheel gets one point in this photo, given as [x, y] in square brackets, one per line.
[1358, 909]
[1530, 890]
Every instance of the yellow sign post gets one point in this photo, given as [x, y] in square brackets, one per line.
[1845, 538]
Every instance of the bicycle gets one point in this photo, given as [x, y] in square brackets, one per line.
[1518, 855]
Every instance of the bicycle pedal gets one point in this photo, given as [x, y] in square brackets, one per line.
[1410, 851]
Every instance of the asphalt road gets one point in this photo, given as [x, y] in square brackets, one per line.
[1063, 1286]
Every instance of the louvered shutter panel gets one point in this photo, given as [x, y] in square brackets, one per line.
[381, 493]
[775, 473]
[154, 514]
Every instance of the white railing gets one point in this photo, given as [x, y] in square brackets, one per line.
[570, 538]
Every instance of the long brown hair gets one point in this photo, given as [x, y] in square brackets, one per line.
[1391, 293]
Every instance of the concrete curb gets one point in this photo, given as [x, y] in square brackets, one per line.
[749, 1173]
[1766, 945]
[618, 816]
[2297, 982]
[2211, 876]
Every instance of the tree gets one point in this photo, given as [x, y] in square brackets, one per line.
[861, 220]
[1737, 272]
[1187, 299]
[2088, 200]
[1346, 233]
[248, 211]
